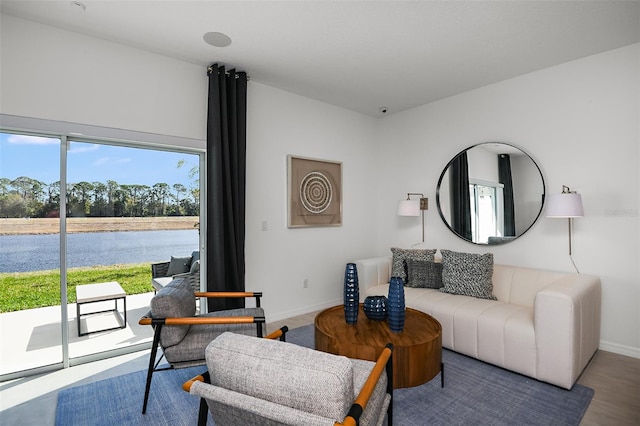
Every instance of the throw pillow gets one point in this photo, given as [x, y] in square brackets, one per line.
[176, 299]
[424, 274]
[467, 274]
[178, 265]
[399, 257]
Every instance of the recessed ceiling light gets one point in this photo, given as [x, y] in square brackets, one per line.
[78, 5]
[217, 39]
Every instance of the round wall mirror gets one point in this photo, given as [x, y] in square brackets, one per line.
[490, 193]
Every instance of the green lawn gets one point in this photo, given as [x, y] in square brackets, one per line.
[28, 290]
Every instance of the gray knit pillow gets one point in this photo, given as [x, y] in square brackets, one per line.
[467, 274]
[398, 265]
[176, 299]
[424, 274]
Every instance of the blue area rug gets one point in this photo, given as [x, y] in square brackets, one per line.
[474, 393]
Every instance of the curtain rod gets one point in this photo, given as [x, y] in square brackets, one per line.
[210, 70]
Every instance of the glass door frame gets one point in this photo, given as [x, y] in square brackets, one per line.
[132, 139]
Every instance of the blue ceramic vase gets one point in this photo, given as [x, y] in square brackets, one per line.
[351, 294]
[375, 307]
[396, 305]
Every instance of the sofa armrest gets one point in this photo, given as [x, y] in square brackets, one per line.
[567, 327]
[371, 272]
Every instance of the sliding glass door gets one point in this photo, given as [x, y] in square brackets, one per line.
[125, 207]
[30, 308]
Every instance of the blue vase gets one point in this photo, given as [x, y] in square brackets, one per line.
[396, 305]
[351, 294]
[375, 307]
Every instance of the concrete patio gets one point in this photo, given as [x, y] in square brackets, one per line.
[32, 338]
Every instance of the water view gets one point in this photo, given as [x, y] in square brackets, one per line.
[23, 253]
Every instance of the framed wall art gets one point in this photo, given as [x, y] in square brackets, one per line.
[314, 192]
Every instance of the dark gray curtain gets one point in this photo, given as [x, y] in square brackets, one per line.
[504, 175]
[226, 181]
[460, 197]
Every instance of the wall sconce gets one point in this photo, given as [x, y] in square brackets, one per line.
[415, 207]
[567, 204]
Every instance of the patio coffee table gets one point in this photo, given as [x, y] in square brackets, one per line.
[417, 350]
[100, 292]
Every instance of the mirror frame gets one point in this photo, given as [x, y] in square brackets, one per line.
[511, 147]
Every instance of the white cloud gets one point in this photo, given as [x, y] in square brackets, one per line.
[111, 160]
[83, 147]
[32, 140]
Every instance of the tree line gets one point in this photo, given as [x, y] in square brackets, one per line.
[27, 197]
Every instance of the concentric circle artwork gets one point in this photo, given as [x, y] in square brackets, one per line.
[316, 192]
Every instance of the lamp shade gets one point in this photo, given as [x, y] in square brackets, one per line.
[409, 208]
[565, 205]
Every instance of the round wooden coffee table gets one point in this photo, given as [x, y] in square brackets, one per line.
[417, 353]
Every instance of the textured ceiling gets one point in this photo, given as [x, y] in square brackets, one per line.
[360, 55]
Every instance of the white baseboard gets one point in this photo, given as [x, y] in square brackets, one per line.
[619, 349]
[301, 310]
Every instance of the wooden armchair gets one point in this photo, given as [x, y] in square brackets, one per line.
[258, 381]
[183, 335]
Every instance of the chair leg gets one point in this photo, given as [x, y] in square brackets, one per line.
[389, 369]
[152, 359]
[203, 412]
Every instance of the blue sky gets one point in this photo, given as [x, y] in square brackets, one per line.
[39, 158]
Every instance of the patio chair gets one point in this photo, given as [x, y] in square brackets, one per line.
[163, 273]
[261, 382]
[183, 336]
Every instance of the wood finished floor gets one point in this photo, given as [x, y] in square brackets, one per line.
[614, 378]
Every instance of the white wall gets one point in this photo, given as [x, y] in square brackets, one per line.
[278, 260]
[579, 122]
[59, 75]
[51, 74]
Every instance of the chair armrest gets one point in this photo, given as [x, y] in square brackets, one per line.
[204, 378]
[228, 294]
[231, 294]
[201, 320]
[278, 334]
[159, 269]
[382, 364]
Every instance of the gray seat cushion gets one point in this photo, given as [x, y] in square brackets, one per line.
[191, 350]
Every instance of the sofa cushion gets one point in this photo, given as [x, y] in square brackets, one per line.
[424, 274]
[283, 373]
[179, 265]
[400, 256]
[467, 274]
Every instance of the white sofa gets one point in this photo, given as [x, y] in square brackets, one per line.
[545, 325]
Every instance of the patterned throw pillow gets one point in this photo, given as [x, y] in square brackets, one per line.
[398, 266]
[424, 274]
[467, 274]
